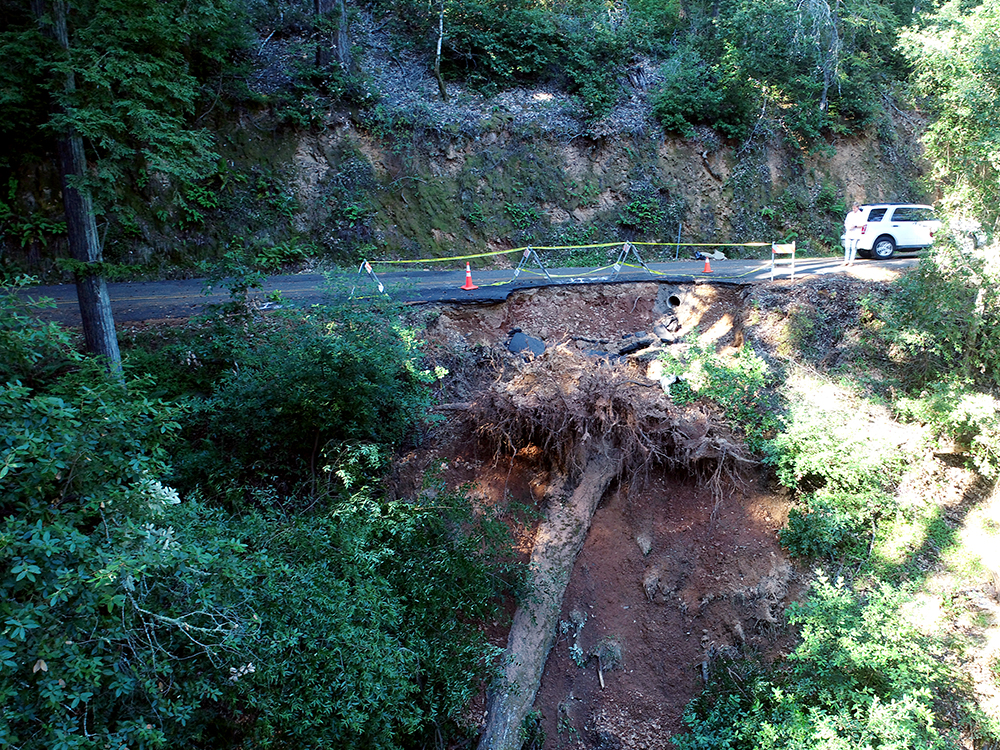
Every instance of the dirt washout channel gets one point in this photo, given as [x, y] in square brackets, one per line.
[656, 545]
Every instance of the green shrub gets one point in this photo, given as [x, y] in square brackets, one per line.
[689, 95]
[110, 630]
[369, 614]
[33, 352]
[742, 384]
[129, 617]
[944, 319]
[303, 381]
[644, 214]
[830, 524]
[499, 45]
[958, 412]
[845, 465]
[490, 43]
[835, 449]
[861, 677]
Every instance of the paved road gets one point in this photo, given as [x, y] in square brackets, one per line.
[154, 300]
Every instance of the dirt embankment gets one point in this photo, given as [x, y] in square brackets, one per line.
[672, 568]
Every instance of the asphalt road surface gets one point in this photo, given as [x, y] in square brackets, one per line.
[160, 300]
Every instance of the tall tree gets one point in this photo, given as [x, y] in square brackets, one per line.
[956, 56]
[81, 227]
[115, 83]
[437, 54]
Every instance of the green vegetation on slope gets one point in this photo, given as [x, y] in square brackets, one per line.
[877, 660]
[325, 616]
[191, 132]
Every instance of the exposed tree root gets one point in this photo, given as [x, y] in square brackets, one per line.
[563, 402]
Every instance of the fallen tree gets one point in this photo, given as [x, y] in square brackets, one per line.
[595, 421]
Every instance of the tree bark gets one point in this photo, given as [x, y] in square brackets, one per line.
[558, 541]
[344, 40]
[85, 247]
[81, 226]
[437, 56]
[323, 48]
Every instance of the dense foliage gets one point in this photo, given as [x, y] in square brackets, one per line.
[130, 615]
[862, 677]
[156, 93]
[957, 61]
[139, 72]
[290, 390]
[869, 668]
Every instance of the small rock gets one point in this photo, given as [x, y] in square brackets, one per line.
[519, 342]
[650, 581]
[667, 380]
[645, 542]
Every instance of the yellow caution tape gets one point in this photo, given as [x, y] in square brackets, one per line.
[570, 247]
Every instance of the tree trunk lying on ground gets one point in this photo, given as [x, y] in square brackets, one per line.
[558, 541]
[592, 422]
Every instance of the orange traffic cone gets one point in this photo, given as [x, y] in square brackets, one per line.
[708, 268]
[469, 286]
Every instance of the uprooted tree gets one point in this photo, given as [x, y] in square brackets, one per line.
[595, 423]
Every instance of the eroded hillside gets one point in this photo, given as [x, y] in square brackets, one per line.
[675, 573]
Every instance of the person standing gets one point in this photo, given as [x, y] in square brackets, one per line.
[852, 222]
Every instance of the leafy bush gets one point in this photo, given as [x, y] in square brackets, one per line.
[487, 43]
[944, 319]
[492, 44]
[862, 677]
[942, 327]
[954, 55]
[644, 214]
[830, 523]
[33, 352]
[837, 449]
[301, 382]
[689, 95]
[955, 410]
[131, 618]
[369, 615]
[110, 634]
[845, 466]
[742, 384]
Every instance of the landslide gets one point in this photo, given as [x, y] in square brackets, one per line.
[654, 545]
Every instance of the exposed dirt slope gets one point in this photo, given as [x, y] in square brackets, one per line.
[668, 571]
[594, 420]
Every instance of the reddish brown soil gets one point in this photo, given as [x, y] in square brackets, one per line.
[714, 577]
[666, 575]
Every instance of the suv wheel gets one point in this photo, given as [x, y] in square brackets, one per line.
[884, 247]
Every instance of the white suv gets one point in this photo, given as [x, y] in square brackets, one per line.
[884, 228]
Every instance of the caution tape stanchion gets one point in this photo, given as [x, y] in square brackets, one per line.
[367, 268]
[627, 249]
[529, 253]
[638, 257]
[622, 254]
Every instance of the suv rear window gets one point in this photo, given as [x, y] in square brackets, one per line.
[877, 214]
[912, 213]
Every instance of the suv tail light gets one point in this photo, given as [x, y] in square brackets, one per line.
[864, 227]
